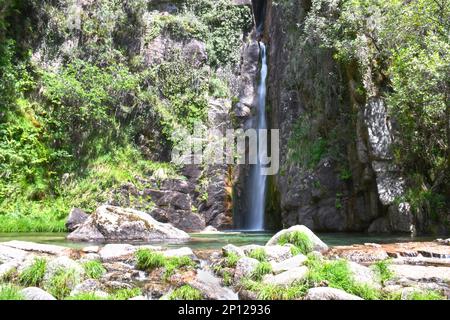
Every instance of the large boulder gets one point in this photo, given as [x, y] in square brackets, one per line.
[318, 244]
[119, 224]
[325, 293]
[75, 219]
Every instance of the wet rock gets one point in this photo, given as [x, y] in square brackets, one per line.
[180, 252]
[75, 219]
[120, 224]
[210, 230]
[33, 293]
[8, 254]
[286, 278]
[87, 286]
[288, 264]
[90, 257]
[325, 293]
[91, 249]
[36, 247]
[422, 273]
[211, 287]
[244, 267]
[318, 244]
[114, 252]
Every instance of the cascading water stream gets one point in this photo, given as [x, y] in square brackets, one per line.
[257, 180]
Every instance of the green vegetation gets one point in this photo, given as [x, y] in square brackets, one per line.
[305, 147]
[227, 278]
[299, 239]
[334, 273]
[85, 296]
[231, 260]
[10, 292]
[185, 292]
[125, 294]
[94, 269]
[426, 295]
[272, 292]
[401, 50]
[338, 275]
[258, 254]
[148, 260]
[261, 270]
[383, 271]
[33, 275]
[61, 283]
[86, 120]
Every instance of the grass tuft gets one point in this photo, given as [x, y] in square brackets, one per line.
[186, 292]
[300, 240]
[33, 275]
[94, 269]
[10, 292]
[258, 254]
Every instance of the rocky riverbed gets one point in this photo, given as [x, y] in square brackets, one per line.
[294, 264]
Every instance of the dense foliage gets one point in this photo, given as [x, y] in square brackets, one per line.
[396, 50]
[82, 111]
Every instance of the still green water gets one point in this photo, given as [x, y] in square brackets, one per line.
[216, 241]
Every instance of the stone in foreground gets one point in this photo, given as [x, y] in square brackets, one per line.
[325, 293]
[109, 223]
[318, 244]
[286, 278]
[34, 293]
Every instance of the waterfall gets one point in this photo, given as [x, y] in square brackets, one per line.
[257, 181]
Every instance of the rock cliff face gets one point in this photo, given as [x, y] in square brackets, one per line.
[337, 170]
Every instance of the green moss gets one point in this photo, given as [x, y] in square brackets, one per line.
[10, 292]
[227, 278]
[272, 292]
[94, 269]
[186, 292]
[33, 275]
[258, 254]
[299, 239]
